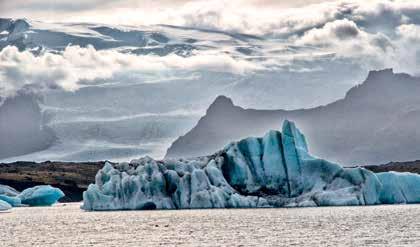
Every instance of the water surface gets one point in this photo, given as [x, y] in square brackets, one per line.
[67, 225]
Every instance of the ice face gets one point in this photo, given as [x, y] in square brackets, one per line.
[273, 171]
[399, 187]
[150, 184]
[301, 179]
[42, 195]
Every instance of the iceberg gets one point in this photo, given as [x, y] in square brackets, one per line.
[399, 187]
[12, 201]
[41, 195]
[4, 206]
[9, 195]
[8, 191]
[276, 170]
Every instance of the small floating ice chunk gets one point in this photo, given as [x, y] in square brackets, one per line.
[4, 206]
[13, 201]
[8, 191]
[42, 195]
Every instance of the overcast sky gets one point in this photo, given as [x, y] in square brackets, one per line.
[124, 11]
[373, 34]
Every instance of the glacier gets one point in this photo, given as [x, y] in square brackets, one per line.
[41, 195]
[276, 170]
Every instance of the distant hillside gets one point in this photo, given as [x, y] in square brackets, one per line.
[22, 128]
[71, 178]
[376, 122]
[409, 166]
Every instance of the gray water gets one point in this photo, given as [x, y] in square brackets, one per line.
[67, 225]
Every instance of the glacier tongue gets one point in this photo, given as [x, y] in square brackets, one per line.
[273, 171]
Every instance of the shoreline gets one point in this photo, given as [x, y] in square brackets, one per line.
[74, 177]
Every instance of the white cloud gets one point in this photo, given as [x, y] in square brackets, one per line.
[249, 16]
[409, 32]
[372, 50]
[335, 31]
[408, 58]
[77, 66]
[373, 34]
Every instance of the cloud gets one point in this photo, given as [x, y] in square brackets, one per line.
[409, 48]
[339, 30]
[77, 66]
[373, 34]
[409, 32]
[372, 50]
[31, 8]
[346, 39]
[248, 16]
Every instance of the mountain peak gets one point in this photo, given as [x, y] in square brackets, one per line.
[375, 74]
[381, 83]
[221, 102]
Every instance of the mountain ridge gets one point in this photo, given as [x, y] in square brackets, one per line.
[360, 128]
[22, 126]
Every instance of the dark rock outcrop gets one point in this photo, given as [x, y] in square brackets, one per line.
[409, 166]
[71, 178]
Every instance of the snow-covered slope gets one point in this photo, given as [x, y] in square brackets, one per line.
[117, 92]
[160, 39]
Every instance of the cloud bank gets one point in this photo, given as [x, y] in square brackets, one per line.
[83, 66]
[373, 34]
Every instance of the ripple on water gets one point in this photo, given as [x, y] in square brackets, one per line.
[67, 225]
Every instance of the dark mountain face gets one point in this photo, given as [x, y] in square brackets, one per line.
[376, 122]
[22, 128]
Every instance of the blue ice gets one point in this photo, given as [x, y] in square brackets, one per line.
[42, 195]
[276, 170]
[4, 206]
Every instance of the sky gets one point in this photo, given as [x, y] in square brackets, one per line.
[373, 34]
[127, 11]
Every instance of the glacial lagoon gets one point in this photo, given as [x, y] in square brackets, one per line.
[68, 225]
